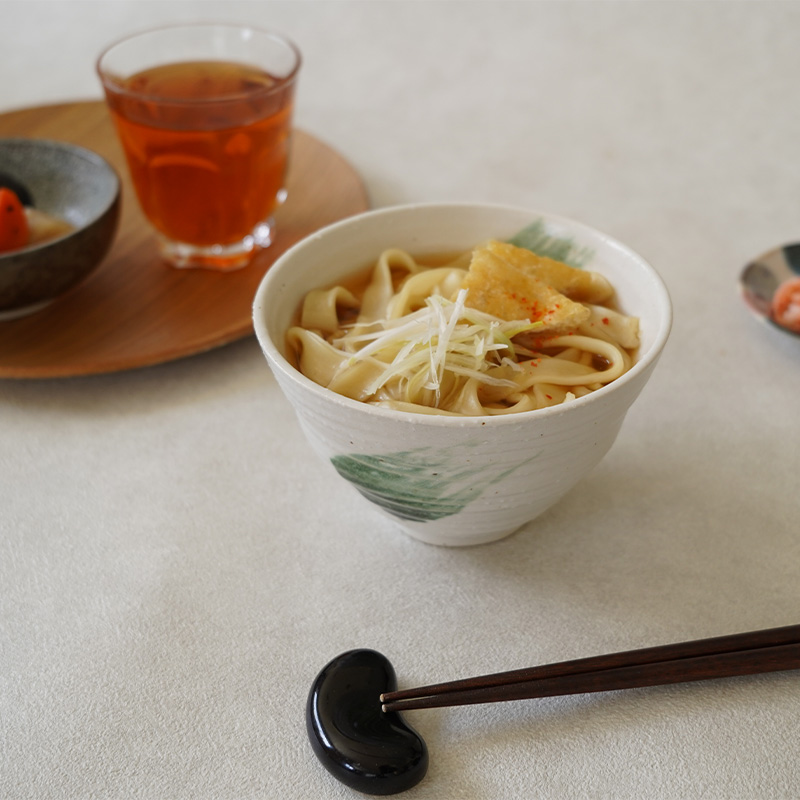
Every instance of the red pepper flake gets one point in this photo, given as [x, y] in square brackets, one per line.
[605, 320]
[549, 396]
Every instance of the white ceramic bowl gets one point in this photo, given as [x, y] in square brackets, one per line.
[451, 480]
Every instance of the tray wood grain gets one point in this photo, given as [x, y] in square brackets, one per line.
[135, 310]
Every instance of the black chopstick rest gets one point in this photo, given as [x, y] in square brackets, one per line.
[367, 749]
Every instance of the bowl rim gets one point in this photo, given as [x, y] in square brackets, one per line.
[81, 152]
[278, 361]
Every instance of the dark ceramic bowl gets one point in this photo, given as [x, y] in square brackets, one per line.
[64, 181]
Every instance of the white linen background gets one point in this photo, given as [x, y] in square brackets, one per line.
[175, 566]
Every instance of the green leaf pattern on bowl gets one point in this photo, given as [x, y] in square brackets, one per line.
[423, 484]
[536, 239]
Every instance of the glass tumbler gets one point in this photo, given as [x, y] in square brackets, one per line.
[204, 115]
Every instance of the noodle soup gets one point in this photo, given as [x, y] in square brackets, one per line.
[450, 475]
[494, 330]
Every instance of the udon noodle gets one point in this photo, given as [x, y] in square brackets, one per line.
[497, 330]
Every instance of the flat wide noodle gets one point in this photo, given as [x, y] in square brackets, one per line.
[509, 334]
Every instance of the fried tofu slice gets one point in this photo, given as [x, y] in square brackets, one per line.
[500, 287]
[577, 284]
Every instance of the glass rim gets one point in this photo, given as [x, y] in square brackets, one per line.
[114, 83]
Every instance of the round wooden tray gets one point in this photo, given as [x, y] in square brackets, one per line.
[135, 310]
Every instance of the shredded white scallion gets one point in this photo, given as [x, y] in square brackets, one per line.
[444, 336]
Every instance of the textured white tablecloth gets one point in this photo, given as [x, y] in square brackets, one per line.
[175, 566]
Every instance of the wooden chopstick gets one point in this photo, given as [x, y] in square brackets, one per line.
[771, 650]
